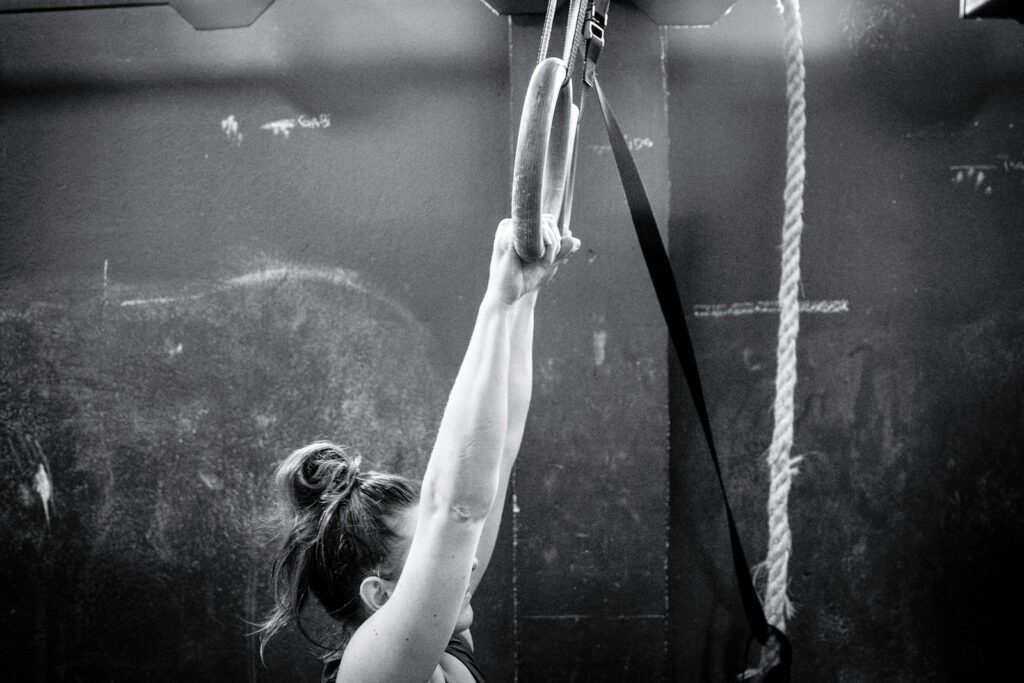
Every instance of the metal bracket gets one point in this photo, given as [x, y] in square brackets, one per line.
[992, 9]
[202, 14]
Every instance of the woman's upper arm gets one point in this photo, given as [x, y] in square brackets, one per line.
[404, 639]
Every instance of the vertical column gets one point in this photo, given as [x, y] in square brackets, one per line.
[591, 488]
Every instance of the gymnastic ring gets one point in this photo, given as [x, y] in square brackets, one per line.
[543, 155]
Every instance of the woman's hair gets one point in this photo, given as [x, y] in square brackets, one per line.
[333, 531]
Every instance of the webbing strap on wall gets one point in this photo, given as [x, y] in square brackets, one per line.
[660, 269]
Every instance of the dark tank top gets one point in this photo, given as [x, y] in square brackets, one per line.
[457, 648]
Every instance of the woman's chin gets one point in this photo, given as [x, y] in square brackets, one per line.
[465, 619]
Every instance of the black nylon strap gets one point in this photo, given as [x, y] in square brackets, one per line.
[660, 269]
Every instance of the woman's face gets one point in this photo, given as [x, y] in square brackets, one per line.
[404, 526]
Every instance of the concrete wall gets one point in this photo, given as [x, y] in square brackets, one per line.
[220, 245]
[907, 507]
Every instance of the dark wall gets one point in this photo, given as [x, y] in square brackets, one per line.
[187, 295]
[184, 297]
[907, 506]
[184, 301]
[592, 489]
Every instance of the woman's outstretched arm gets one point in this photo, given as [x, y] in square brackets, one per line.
[404, 638]
[520, 390]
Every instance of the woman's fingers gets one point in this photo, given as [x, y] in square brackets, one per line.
[503, 236]
[549, 228]
[569, 246]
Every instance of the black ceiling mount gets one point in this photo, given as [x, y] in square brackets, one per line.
[519, 6]
[684, 12]
[218, 14]
[664, 12]
[202, 14]
[992, 9]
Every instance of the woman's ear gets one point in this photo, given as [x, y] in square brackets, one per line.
[374, 592]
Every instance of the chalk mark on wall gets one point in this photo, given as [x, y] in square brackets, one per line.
[230, 127]
[767, 307]
[276, 273]
[44, 487]
[161, 300]
[27, 456]
[634, 144]
[985, 177]
[283, 127]
[337, 276]
[600, 341]
[280, 127]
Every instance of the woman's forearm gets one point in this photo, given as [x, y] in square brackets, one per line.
[520, 373]
[463, 474]
[520, 388]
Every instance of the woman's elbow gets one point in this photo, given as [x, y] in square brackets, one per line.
[461, 506]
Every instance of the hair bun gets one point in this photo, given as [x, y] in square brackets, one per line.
[319, 470]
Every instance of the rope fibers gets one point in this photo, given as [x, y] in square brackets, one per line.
[781, 464]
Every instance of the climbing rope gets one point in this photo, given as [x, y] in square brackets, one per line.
[777, 654]
[782, 466]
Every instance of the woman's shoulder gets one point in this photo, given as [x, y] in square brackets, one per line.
[458, 661]
[457, 664]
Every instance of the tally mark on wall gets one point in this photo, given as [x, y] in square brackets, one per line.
[284, 127]
[161, 300]
[634, 144]
[767, 307]
[231, 129]
[984, 177]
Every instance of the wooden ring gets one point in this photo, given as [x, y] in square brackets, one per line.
[543, 155]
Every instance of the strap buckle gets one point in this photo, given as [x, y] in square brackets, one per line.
[593, 34]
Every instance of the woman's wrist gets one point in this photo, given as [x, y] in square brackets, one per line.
[495, 300]
[528, 300]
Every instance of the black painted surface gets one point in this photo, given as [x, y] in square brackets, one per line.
[156, 388]
[187, 295]
[592, 485]
[908, 506]
[157, 420]
[123, 180]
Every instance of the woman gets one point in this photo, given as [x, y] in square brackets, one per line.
[395, 562]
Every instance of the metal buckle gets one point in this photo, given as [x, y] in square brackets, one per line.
[593, 35]
[593, 32]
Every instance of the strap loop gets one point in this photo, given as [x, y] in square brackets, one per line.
[656, 257]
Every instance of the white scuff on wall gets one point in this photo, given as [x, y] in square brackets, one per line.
[280, 127]
[284, 127]
[231, 128]
[600, 343]
[44, 487]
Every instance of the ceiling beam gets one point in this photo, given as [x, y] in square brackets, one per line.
[992, 9]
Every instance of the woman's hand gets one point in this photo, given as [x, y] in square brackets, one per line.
[512, 278]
